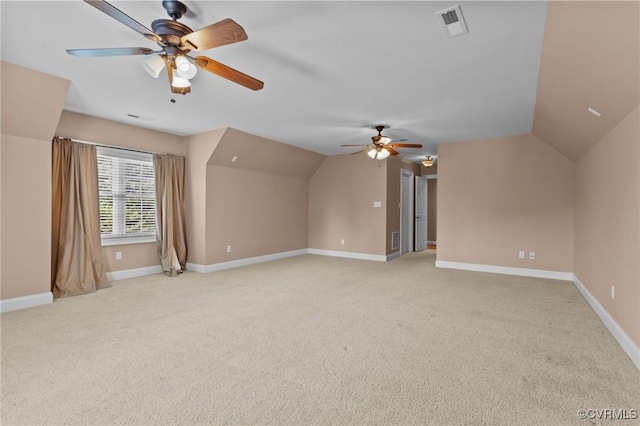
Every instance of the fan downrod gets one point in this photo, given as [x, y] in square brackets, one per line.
[174, 8]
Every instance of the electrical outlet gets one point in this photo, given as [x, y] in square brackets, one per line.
[613, 292]
[342, 241]
[521, 254]
[118, 255]
[228, 249]
[532, 255]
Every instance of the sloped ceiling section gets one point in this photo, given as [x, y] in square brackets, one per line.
[31, 102]
[590, 59]
[245, 151]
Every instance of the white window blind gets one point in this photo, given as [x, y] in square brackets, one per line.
[126, 186]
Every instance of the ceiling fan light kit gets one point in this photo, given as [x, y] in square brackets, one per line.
[184, 68]
[178, 81]
[153, 64]
[378, 153]
[429, 161]
[176, 41]
[382, 146]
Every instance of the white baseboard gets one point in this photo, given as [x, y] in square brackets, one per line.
[132, 273]
[435, 243]
[393, 255]
[523, 272]
[623, 339]
[243, 262]
[266, 258]
[350, 255]
[13, 304]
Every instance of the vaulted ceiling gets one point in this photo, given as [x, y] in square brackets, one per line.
[590, 59]
[334, 69]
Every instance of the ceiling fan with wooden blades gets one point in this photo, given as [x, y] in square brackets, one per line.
[176, 41]
[382, 146]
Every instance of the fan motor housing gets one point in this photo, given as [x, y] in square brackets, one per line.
[170, 31]
[174, 8]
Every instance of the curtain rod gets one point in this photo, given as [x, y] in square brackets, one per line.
[109, 146]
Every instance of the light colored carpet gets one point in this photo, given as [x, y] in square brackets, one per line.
[315, 340]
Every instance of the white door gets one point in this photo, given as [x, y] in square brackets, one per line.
[421, 212]
[406, 211]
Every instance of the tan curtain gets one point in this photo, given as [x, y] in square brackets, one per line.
[170, 225]
[76, 251]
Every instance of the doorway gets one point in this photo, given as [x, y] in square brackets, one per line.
[432, 211]
[421, 212]
[406, 211]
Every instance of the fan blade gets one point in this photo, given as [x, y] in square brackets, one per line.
[405, 145]
[118, 51]
[228, 73]
[123, 18]
[391, 150]
[399, 140]
[362, 144]
[221, 33]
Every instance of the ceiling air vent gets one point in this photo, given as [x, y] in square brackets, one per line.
[452, 21]
[139, 117]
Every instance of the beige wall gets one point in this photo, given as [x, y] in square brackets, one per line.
[257, 204]
[607, 223]
[394, 179]
[341, 196]
[499, 196]
[256, 213]
[105, 132]
[199, 150]
[31, 103]
[26, 216]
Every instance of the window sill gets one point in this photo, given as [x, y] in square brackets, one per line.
[106, 242]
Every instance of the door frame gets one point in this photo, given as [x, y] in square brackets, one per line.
[407, 178]
[416, 238]
[430, 177]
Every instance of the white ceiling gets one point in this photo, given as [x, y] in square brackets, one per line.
[331, 69]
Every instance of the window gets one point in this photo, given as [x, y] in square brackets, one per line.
[126, 184]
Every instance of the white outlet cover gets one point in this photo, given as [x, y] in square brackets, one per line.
[532, 255]
[377, 204]
[521, 254]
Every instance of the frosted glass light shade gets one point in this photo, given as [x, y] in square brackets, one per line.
[184, 68]
[179, 82]
[153, 64]
[378, 153]
[383, 153]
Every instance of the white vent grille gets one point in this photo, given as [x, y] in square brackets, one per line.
[395, 240]
[452, 21]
